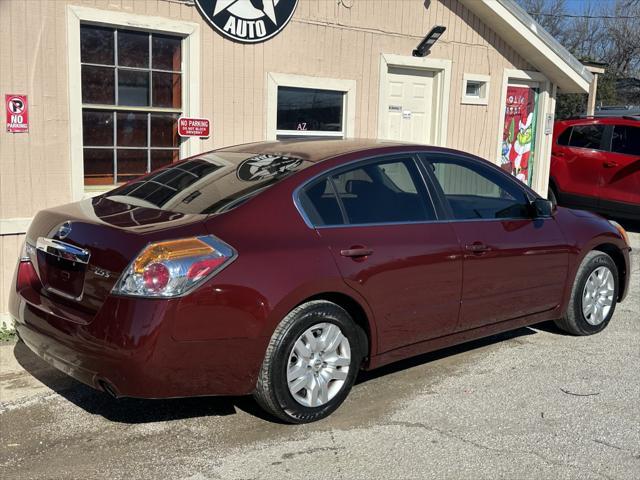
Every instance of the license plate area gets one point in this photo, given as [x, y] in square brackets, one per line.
[62, 267]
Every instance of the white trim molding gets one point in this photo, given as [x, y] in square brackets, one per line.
[441, 69]
[190, 75]
[275, 80]
[521, 32]
[14, 226]
[483, 98]
[546, 106]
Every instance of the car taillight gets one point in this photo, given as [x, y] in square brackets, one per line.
[174, 267]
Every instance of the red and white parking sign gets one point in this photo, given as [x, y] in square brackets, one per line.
[193, 127]
[17, 113]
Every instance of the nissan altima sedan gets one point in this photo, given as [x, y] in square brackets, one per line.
[281, 269]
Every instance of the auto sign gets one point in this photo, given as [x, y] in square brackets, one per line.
[247, 21]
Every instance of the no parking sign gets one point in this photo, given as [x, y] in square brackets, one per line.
[17, 113]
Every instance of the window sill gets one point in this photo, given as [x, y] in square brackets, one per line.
[90, 192]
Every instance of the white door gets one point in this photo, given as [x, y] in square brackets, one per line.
[409, 109]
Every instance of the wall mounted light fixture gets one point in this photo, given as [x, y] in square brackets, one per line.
[422, 50]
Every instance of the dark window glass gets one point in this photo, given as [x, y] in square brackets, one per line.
[564, 137]
[587, 136]
[626, 139]
[132, 129]
[133, 88]
[164, 130]
[98, 85]
[96, 45]
[161, 158]
[120, 69]
[98, 166]
[320, 204]
[383, 192]
[133, 49]
[476, 191]
[166, 53]
[97, 128]
[207, 184]
[131, 164]
[309, 109]
[166, 89]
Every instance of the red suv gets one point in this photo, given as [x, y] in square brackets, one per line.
[595, 165]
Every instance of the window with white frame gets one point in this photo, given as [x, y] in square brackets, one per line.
[310, 112]
[475, 89]
[131, 101]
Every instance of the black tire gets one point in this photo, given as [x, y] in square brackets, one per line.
[551, 196]
[574, 322]
[272, 389]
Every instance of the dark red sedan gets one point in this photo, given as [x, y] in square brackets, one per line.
[282, 268]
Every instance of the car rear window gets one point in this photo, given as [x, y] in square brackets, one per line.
[626, 140]
[211, 183]
[587, 136]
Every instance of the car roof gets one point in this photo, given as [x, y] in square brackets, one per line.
[633, 120]
[315, 150]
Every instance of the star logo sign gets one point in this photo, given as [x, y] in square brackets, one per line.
[247, 21]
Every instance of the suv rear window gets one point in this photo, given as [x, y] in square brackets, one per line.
[626, 139]
[211, 183]
[587, 136]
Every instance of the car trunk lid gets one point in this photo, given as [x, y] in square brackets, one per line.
[82, 248]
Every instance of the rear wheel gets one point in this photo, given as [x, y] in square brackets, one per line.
[593, 296]
[311, 363]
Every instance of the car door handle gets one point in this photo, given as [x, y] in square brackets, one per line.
[557, 154]
[610, 164]
[356, 251]
[477, 247]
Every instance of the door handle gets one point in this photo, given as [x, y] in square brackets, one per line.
[610, 164]
[557, 154]
[356, 252]
[477, 248]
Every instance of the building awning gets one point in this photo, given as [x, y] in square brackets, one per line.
[533, 43]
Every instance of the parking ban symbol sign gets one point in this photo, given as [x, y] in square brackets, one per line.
[17, 113]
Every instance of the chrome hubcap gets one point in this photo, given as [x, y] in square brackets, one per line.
[597, 296]
[318, 365]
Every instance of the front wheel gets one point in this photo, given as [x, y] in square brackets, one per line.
[311, 363]
[593, 296]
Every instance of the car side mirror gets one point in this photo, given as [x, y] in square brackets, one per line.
[543, 208]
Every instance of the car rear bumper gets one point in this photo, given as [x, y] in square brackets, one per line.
[127, 349]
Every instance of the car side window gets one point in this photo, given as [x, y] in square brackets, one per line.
[386, 191]
[564, 137]
[320, 204]
[383, 192]
[626, 140]
[475, 191]
[587, 136]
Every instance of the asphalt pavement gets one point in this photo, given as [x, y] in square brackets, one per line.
[530, 404]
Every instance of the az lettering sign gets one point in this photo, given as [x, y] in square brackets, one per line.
[17, 113]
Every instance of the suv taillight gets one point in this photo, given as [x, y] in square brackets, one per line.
[174, 267]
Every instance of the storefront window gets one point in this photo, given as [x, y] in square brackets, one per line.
[131, 101]
[310, 112]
